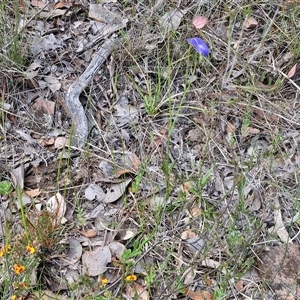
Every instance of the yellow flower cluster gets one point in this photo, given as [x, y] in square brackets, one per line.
[131, 277]
[104, 280]
[5, 250]
[18, 269]
[30, 249]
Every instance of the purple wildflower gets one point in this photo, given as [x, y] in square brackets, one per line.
[199, 45]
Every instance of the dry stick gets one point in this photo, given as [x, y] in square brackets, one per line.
[73, 105]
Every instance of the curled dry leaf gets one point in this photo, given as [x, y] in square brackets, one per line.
[75, 251]
[126, 234]
[39, 4]
[230, 128]
[251, 23]
[57, 206]
[250, 131]
[279, 226]
[201, 295]
[17, 176]
[196, 212]
[61, 142]
[186, 187]
[136, 291]
[292, 71]
[33, 193]
[210, 263]
[188, 234]
[239, 285]
[132, 164]
[49, 142]
[200, 21]
[89, 233]
[189, 276]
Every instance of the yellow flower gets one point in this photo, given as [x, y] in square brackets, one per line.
[131, 277]
[104, 280]
[13, 297]
[30, 249]
[19, 269]
[4, 250]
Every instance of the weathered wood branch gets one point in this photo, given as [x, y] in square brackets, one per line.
[73, 104]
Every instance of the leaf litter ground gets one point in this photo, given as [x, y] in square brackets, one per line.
[140, 168]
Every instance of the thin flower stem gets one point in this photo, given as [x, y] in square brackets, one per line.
[11, 291]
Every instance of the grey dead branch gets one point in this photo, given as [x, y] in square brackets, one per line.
[75, 109]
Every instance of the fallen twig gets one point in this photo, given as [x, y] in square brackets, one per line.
[74, 107]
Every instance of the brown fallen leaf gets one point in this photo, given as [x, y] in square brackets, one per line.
[239, 285]
[250, 131]
[44, 106]
[136, 291]
[292, 71]
[188, 234]
[49, 142]
[201, 295]
[37, 3]
[186, 187]
[33, 193]
[196, 211]
[251, 23]
[63, 4]
[89, 233]
[159, 139]
[189, 276]
[230, 128]
[133, 162]
[61, 142]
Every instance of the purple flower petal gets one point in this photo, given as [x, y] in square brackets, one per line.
[199, 45]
